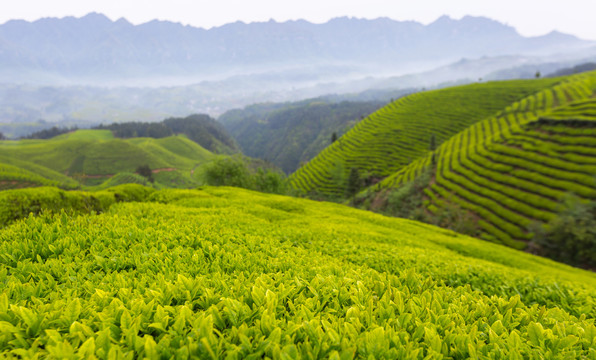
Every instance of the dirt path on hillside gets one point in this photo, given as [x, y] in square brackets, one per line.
[155, 171]
[84, 176]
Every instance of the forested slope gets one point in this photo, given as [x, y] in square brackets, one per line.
[293, 133]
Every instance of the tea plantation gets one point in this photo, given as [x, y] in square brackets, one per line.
[400, 132]
[514, 169]
[214, 273]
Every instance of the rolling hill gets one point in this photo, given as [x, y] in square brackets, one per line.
[91, 157]
[401, 132]
[223, 272]
[14, 177]
[199, 128]
[515, 168]
[509, 171]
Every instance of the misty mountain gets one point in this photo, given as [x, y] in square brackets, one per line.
[95, 48]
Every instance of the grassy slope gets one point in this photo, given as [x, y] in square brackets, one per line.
[97, 154]
[400, 132]
[513, 169]
[85, 134]
[32, 174]
[12, 177]
[226, 272]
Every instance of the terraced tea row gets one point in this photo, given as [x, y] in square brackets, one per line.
[228, 273]
[399, 133]
[514, 169]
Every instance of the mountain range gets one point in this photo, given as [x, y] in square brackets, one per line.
[93, 47]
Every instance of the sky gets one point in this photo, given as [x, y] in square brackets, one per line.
[529, 17]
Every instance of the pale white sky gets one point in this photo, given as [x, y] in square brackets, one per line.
[529, 17]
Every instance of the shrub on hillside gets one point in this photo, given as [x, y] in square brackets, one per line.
[269, 181]
[451, 216]
[407, 200]
[571, 236]
[234, 171]
[145, 171]
[228, 172]
[354, 182]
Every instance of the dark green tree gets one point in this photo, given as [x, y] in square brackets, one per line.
[228, 172]
[333, 137]
[145, 171]
[432, 147]
[537, 74]
[269, 181]
[354, 182]
[571, 236]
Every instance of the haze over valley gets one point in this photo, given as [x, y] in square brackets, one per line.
[91, 70]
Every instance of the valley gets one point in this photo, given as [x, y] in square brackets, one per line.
[349, 189]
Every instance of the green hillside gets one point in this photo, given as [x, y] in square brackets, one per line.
[228, 273]
[515, 169]
[91, 157]
[121, 179]
[289, 134]
[85, 134]
[199, 128]
[13, 177]
[399, 133]
[18, 174]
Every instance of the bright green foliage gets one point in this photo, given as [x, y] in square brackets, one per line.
[399, 133]
[17, 204]
[228, 273]
[514, 169]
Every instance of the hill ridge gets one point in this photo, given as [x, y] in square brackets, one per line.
[484, 167]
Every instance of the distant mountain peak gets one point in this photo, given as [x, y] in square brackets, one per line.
[94, 45]
[444, 19]
[558, 34]
[95, 18]
[123, 21]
